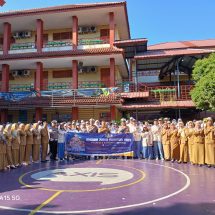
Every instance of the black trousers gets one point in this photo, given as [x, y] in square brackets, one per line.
[53, 149]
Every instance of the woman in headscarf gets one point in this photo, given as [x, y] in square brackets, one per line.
[61, 141]
[183, 141]
[103, 129]
[22, 147]
[166, 141]
[174, 143]
[8, 138]
[190, 125]
[44, 141]
[15, 144]
[36, 143]
[209, 132]
[3, 157]
[199, 146]
[29, 143]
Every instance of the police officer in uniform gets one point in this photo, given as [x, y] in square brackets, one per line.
[53, 131]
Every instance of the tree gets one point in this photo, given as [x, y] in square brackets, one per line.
[203, 94]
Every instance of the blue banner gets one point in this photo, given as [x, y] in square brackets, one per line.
[80, 92]
[17, 96]
[99, 144]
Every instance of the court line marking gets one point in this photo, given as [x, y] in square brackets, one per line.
[120, 207]
[82, 191]
[45, 203]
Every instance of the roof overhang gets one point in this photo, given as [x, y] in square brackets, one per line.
[160, 105]
[64, 59]
[166, 60]
[60, 17]
[132, 47]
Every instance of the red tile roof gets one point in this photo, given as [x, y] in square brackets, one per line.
[131, 41]
[183, 44]
[47, 54]
[62, 8]
[65, 8]
[170, 53]
[159, 105]
[135, 95]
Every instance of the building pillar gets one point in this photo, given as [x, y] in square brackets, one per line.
[75, 32]
[112, 28]
[5, 78]
[113, 112]
[39, 42]
[75, 74]
[112, 72]
[38, 114]
[6, 38]
[130, 69]
[75, 113]
[39, 77]
[4, 116]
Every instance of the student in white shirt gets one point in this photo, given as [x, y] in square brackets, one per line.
[147, 143]
[158, 148]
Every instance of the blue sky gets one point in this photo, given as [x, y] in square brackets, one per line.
[157, 20]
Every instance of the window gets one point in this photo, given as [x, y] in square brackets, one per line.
[104, 32]
[62, 36]
[45, 38]
[62, 74]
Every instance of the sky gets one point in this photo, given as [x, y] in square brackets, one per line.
[157, 20]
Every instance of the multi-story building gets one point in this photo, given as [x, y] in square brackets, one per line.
[62, 56]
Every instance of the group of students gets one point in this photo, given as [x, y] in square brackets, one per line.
[23, 144]
[192, 142]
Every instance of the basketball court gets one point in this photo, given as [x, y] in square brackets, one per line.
[108, 187]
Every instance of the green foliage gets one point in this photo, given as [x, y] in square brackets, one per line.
[203, 93]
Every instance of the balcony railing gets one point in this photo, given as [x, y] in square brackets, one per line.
[57, 44]
[20, 87]
[20, 46]
[93, 41]
[162, 93]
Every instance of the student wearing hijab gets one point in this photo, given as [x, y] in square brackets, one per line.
[92, 128]
[29, 144]
[166, 141]
[103, 128]
[44, 141]
[123, 128]
[190, 129]
[209, 132]
[15, 144]
[199, 146]
[3, 148]
[174, 143]
[8, 138]
[183, 141]
[36, 142]
[22, 147]
[147, 143]
[61, 141]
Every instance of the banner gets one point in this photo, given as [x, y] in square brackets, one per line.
[17, 96]
[80, 92]
[99, 144]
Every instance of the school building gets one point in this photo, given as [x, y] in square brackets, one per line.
[84, 47]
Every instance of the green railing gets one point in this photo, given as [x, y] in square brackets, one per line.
[92, 41]
[57, 44]
[20, 87]
[18, 46]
